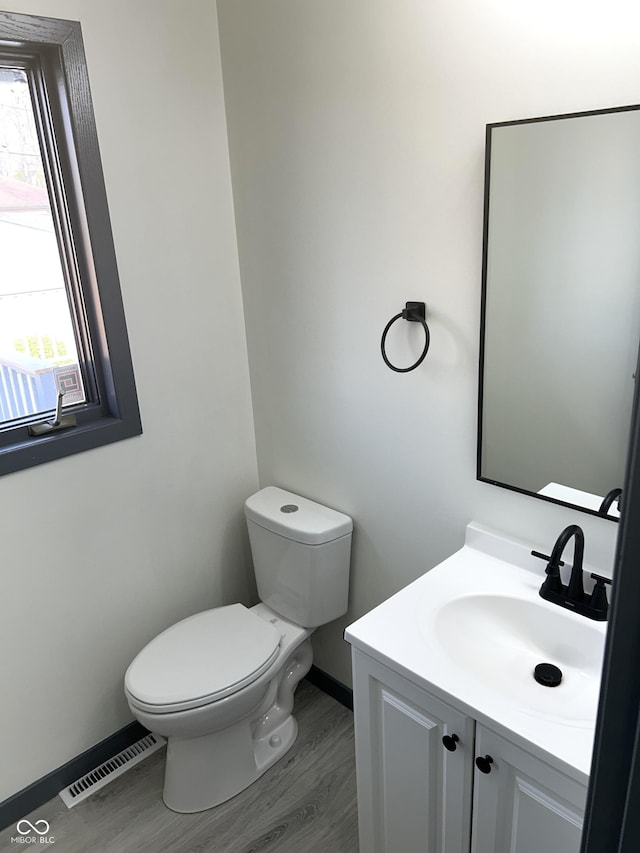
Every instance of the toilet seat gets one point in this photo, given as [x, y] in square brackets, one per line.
[202, 659]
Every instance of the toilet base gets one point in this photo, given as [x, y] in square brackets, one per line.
[271, 749]
[204, 772]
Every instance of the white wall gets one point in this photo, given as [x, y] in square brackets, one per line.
[103, 550]
[356, 133]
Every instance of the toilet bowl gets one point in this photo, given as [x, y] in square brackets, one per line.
[220, 684]
[217, 745]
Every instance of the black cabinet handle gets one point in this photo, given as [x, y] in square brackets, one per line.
[450, 742]
[484, 764]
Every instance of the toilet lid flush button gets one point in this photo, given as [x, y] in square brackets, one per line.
[289, 508]
[275, 741]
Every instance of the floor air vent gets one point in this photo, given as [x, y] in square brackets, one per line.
[110, 770]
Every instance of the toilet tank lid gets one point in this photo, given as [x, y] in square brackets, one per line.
[296, 518]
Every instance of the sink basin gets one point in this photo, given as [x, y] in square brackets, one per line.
[498, 640]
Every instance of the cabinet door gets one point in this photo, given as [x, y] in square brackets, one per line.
[414, 795]
[523, 805]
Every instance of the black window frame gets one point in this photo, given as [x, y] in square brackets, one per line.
[53, 52]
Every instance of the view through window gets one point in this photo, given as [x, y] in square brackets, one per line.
[38, 351]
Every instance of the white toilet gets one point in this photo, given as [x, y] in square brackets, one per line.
[219, 685]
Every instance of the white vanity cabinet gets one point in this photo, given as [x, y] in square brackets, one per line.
[523, 805]
[415, 795]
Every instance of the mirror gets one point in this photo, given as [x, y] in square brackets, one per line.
[560, 305]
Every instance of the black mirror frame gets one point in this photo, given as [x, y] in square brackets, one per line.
[483, 302]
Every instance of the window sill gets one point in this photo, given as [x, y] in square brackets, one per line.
[27, 451]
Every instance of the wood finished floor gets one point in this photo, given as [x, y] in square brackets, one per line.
[306, 803]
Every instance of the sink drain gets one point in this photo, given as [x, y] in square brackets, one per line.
[547, 674]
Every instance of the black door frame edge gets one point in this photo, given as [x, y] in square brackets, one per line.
[612, 819]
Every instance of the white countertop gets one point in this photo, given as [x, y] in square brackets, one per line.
[569, 495]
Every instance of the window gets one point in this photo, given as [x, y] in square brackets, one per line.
[38, 350]
[66, 378]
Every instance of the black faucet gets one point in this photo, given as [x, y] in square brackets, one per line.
[573, 596]
[609, 498]
[575, 590]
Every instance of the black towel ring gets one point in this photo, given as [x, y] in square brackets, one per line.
[416, 313]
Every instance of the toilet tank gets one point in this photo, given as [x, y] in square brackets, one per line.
[301, 556]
